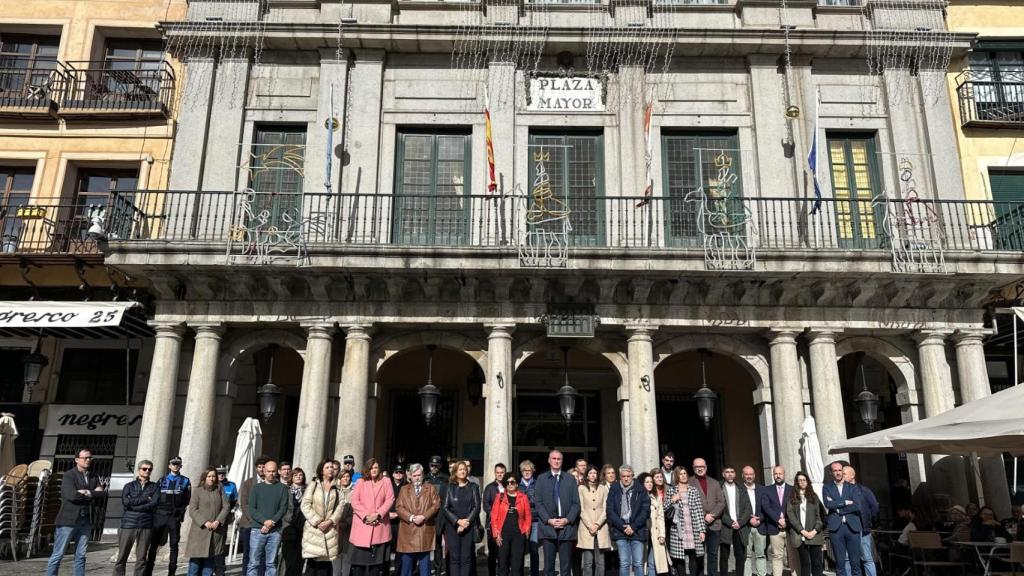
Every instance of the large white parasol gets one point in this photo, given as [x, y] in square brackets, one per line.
[8, 432]
[813, 464]
[248, 447]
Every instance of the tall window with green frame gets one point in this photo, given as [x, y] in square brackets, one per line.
[703, 186]
[574, 163]
[1008, 199]
[855, 183]
[431, 206]
[276, 164]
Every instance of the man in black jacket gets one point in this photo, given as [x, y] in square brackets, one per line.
[175, 492]
[74, 521]
[140, 497]
[491, 492]
[440, 481]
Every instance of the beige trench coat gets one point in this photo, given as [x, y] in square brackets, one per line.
[593, 512]
[207, 506]
[657, 525]
[315, 543]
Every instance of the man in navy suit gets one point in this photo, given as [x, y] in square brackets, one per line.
[558, 509]
[771, 509]
[844, 503]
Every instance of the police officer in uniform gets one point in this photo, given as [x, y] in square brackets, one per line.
[175, 492]
[439, 479]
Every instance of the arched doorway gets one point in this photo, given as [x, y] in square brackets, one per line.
[400, 432]
[734, 435]
[594, 433]
[888, 475]
[244, 369]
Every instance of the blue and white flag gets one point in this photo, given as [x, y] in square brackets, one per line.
[812, 158]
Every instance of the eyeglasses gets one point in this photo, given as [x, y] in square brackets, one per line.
[146, 469]
[512, 483]
[699, 467]
[85, 457]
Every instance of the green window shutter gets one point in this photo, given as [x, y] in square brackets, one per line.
[1006, 186]
[432, 179]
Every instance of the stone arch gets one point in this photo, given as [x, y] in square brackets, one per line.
[251, 340]
[391, 346]
[896, 360]
[753, 357]
[597, 346]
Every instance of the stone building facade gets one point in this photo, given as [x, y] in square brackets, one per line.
[349, 274]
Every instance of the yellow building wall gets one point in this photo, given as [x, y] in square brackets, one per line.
[981, 148]
[51, 145]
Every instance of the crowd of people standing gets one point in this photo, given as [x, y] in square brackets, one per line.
[343, 522]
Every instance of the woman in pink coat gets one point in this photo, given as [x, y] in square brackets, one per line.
[371, 526]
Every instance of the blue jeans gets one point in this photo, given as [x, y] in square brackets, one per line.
[631, 555]
[419, 560]
[201, 566]
[867, 557]
[80, 534]
[263, 550]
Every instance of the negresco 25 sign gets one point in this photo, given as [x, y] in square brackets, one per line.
[560, 94]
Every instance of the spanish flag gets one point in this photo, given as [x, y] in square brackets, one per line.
[492, 184]
[648, 152]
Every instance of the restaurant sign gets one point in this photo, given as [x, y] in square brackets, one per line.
[565, 94]
[93, 419]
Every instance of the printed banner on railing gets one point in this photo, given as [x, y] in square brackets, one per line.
[62, 314]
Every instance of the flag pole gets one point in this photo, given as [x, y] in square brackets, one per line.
[330, 143]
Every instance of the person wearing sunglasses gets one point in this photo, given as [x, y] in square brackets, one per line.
[139, 497]
[510, 524]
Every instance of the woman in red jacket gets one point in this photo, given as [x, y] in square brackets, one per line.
[510, 523]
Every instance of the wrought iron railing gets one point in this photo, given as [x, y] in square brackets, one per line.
[693, 222]
[118, 86]
[65, 226]
[987, 100]
[29, 82]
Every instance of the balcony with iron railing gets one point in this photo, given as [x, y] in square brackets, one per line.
[990, 101]
[29, 87]
[248, 220]
[62, 226]
[117, 88]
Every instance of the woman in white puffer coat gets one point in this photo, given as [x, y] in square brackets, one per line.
[322, 507]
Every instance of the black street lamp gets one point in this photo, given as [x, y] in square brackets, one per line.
[33, 364]
[429, 393]
[566, 394]
[705, 398]
[269, 392]
[866, 401]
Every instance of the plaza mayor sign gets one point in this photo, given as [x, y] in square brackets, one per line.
[561, 94]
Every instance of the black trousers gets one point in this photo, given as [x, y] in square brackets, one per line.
[811, 561]
[492, 555]
[739, 551]
[711, 551]
[167, 529]
[510, 555]
[126, 537]
[461, 548]
[564, 550]
[534, 549]
[318, 568]
[696, 564]
[439, 564]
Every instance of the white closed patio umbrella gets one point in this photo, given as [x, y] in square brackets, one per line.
[813, 464]
[8, 432]
[248, 447]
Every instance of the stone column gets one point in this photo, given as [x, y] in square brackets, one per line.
[355, 387]
[194, 111]
[937, 386]
[643, 413]
[332, 72]
[974, 385]
[227, 118]
[363, 117]
[827, 392]
[197, 430]
[787, 398]
[158, 413]
[498, 404]
[311, 435]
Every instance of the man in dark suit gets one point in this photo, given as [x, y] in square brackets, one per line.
[440, 481]
[771, 509]
[735, 523]
[714, 503]
[558, 508]
[78, 488]
[844, 503]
